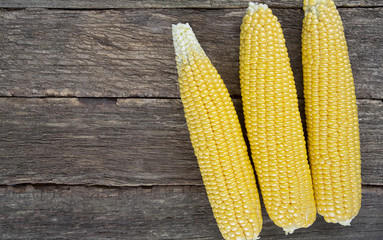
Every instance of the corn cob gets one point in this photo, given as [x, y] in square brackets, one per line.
[273, 122]
[331, 113]
[217, 140]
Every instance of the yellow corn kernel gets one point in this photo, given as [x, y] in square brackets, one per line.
[217, 140]
[331, 113]
[273, 122]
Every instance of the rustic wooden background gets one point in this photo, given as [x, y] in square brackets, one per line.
[93, 142]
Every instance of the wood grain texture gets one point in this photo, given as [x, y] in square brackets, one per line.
[95, 141]
[129, 53]
[293, 3]
[125, 143]
[112, 167]
[371, 133]
[183, 212]
[101, 4]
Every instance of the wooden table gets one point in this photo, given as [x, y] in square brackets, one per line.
[93, 141]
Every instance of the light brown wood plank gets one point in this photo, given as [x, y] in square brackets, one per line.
[128, 143]
[129, 53]
[73, 212]
[101, 4]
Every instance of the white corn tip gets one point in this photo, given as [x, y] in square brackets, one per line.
[317, 6]
[346, 223]
[254, 7]
[185, 42]
[289, 230]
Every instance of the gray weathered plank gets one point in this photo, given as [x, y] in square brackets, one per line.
[136, 141]
[129, 53]
[101, 4]
[371, 136]
[128, 143]
[293, 3]
[69, 212]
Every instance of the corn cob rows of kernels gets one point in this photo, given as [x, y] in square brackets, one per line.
[273, 122]
[217, 140]
[331, 113]
[274, 125]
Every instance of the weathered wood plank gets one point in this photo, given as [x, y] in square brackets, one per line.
[68, 212]
[101, 4]
[293, 3]
[371, 136]
[128, 143]
[134, 141]
[129, 53]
